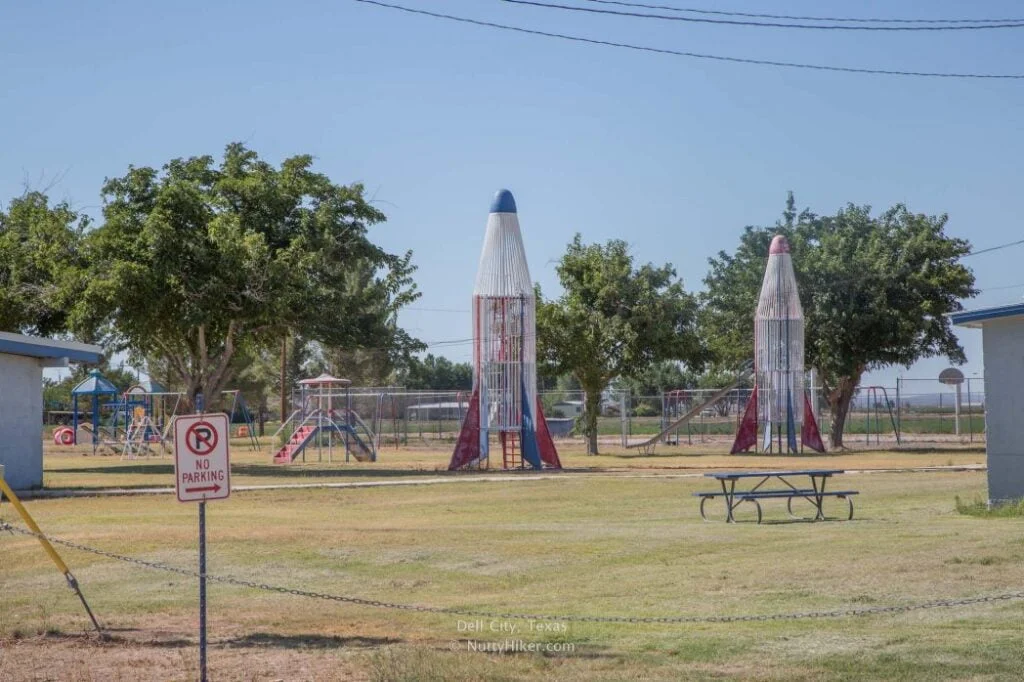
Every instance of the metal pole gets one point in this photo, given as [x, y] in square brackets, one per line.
[202, 593]
[284, 388]
[956, 410]
[940, 413]
[970, 414]
[899, 411]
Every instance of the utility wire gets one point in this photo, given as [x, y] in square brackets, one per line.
[1003, 288]
[694, 55]
[438, 310]
[763, 24]
[994, 248]
[754, 15]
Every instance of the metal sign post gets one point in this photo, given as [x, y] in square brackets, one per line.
[202, 592]
[202, 472]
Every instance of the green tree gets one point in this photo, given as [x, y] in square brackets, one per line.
[38, 247]
[646, 387]
[200, 261]
[374, 359]
[876, 291]
[658, 378]
[436, 374]
[613, 320]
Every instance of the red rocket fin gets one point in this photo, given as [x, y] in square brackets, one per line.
[467, 448]
[546, 445]
[746, 435]
[809, 433]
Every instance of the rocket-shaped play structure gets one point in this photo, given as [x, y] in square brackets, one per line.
[504, 403]
[780, 404]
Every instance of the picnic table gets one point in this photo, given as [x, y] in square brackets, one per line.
[792, 488]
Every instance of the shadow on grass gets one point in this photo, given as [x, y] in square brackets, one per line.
[256, 639]
[306, 641]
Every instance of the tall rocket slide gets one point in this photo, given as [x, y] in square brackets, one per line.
[504, 401]
[779, 403]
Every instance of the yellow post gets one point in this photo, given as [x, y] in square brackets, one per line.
[5, 491]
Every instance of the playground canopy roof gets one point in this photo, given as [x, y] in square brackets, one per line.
[325, 378]
[95, 384]
[59, 352]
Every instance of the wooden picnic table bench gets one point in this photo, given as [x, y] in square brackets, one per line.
[815, 494]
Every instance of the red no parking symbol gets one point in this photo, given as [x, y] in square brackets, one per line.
[201, 438]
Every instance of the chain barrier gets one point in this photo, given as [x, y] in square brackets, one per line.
[454, 611]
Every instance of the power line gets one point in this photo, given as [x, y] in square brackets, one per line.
[995, 248]
[439, 310]
[694, 55]
[763, 24]
[872, 20]
[1003, 288]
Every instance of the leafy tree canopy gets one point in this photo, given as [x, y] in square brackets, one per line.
[658, 378]
[613, 320]
[197, 260]
[436, 374]
[38, 249]
[876, 291]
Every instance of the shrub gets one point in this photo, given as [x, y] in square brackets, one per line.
[980, 508]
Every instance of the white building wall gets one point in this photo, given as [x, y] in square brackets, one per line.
[1003, 344]
[21, 421]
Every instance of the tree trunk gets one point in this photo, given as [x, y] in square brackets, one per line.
[262, 410]
[839, 403]
[591, 410]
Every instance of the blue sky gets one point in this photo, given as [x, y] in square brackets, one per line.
[674, 155]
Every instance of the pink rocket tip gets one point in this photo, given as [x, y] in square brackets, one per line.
[779, 245]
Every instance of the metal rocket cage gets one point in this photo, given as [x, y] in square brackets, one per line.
[779, 399]
[504, 402]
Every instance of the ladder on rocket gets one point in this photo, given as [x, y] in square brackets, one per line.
[511, 456]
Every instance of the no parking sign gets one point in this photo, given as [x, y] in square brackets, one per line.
[202, 469]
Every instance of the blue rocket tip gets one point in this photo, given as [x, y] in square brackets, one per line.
[503, 202]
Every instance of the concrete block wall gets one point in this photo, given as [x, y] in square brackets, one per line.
[1003, 344]
[21, 421]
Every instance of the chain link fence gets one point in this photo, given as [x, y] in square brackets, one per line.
[911, 411]
[908, 412]
[428, 419]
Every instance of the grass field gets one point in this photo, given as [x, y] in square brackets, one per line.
[624, 538]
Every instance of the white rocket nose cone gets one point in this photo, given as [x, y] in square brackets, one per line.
[503, 270]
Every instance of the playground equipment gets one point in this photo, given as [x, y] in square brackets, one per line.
[504, 400]
[779, 401]
[326, 414]
[673, 405]
[139, 420]
[877, 397]
[148, 411]
[94, 387]
[240, 413]
[647, 446]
